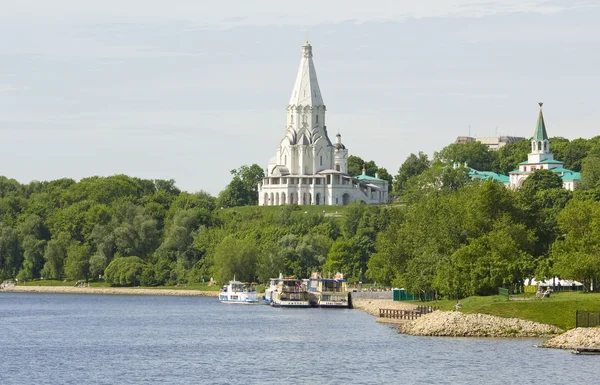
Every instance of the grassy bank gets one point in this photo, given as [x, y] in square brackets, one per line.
[558, 310]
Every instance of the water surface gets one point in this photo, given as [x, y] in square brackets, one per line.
[114, 339]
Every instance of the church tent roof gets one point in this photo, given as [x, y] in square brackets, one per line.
[540, 128]
[306, 90]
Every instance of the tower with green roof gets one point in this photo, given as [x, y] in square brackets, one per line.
[540, 158]
[540, 144]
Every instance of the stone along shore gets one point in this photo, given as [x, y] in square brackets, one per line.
[457, 324]
[575, 338]
[107, 290]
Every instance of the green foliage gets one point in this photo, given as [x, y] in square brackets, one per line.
[125, 271]
[77, 264]
[576, 252]
[243, 188]
[235, 257]
[475, 154]
[445, 233]
[414, 165]
[509, 156]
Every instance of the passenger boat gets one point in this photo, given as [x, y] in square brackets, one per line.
[290, 292]
[325, 292]
[270, 290]
[238, 292]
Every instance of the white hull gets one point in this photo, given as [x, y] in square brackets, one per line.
[237, 293]
[291, 303]
[332, 304]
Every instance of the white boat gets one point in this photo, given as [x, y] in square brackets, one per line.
[290, 292]
[269, 291]
[238, 292]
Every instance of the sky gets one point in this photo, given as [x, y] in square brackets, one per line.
[189, 90]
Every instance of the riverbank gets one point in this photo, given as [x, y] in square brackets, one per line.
[457, 324]
[107, 290]
[372, 306]
[575, 338]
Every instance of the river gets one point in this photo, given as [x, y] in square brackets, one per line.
[125, 339]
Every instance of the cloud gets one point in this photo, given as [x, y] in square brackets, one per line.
[267, 12]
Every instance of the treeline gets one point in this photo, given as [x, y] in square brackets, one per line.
[444, 232]
[133, 231]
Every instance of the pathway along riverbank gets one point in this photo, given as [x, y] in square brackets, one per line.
[107, 290]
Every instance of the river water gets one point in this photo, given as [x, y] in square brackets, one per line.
[110, 339]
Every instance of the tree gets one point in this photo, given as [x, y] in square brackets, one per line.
[235, 257]
[77, 264]
[413, 165]
[356, 165]
[343, 257]
[54, 256]
[475, 154]
[540, 180]
[575, 253]
[576, 152]
[97, 265]
[509, 156]
[125, 271]
[243, 188]
[10, 256]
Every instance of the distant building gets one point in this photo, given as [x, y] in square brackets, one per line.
[542, 158]
[493, 143]
[308, 168]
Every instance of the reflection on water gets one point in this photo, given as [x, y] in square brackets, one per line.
[75, 339]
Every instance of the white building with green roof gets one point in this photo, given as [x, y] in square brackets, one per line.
[542, 158]
[308, 168]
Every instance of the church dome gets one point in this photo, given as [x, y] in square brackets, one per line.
[338, 143]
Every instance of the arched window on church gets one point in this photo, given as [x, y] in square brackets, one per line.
[321, 160]
[292, 119]
[337, 167]
[317, 118]
[285, 159]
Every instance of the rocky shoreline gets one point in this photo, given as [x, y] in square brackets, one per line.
[575, 338]
[107, 290]
[457, 324]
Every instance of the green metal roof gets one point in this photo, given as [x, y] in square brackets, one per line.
[560, 169]
[571, 176]
[544, 161]
[474, 174]
[540, 128]
[369, 178]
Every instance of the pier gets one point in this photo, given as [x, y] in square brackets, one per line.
[386, 315]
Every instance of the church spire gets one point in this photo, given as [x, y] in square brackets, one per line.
[540, 128]
[306, 90]
[540, 144]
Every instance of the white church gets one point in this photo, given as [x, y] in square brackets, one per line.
[308, 169]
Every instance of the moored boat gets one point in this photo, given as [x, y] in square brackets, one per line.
[290, 292]
[325, 292]
[270, 290]
[238, 293]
